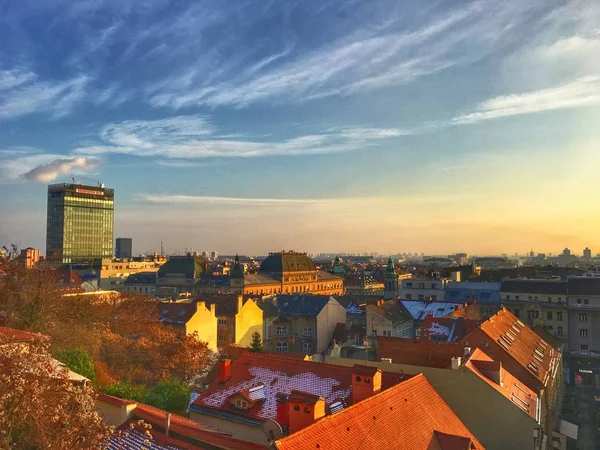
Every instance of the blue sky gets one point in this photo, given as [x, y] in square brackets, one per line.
[252, 126]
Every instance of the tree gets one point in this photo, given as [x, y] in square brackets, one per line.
[172, 395]
[40, 407]
[256, 345]
[79, 361]
[127, 391]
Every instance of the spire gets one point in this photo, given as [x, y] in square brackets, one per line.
[391, 268]
[337, 268]
[236, 262]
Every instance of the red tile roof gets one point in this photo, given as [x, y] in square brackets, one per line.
[13, 335]
[521, 343]
[418, 353]
[408, 416]
[458, 327]
[518, 393]
[281, 375]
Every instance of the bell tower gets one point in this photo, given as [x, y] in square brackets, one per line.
[390, 291]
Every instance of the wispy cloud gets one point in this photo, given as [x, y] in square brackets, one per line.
[238, 201]
[192, 137]
[29, 96]
[10, 79]
[581, 92]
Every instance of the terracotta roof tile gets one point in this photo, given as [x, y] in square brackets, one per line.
[408, 416]
[453, 328]
[511, 388]
[521, 343]
[281, 375]
[418, 353]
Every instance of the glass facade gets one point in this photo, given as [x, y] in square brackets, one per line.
[80, 222]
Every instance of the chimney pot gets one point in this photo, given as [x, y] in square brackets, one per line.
[467, 351]
[456, 360]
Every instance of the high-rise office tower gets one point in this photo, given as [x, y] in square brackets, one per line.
[123, 247]
[80, 222]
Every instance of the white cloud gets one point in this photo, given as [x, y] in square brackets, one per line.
[58, 98]
[27, 164]
[237, 201]
[192, 137]
[581, 92]
[10, 79]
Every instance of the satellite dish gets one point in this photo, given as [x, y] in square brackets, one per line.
[272, 430]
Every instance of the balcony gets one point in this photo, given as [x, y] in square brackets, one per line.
[579, 306]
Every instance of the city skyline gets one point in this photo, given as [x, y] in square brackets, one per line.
[347, 126]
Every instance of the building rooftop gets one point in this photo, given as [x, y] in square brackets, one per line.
[466, 291]
[521, 343]
[535, 287]
[225, 305]
[408, 416]
[287, 262]
[176, 313]
[184, 267]
[450, 329]
[418, 353]
[12, 335]
[419, 309]
[583, 286]
[280, 375]
[141, 278]
[302, 305]
[510, 387]
[392, 311]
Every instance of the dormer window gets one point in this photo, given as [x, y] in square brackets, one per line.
[307, 410]
[241, 404]
[367, 380]
[359, 379]
[296, 407]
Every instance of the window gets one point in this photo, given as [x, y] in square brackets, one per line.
[307, 331]
[583, 317]
[358, 378]
[530, 298]
[432, 285]
[517, 297]
[549, 315]
[583, 332]
[549, 299]
[222, 321]
[221, 338]
[535, 299]
[408, 285]
[421, 297]
[296, 407]
[517, 313]
[559, 316]
[485, 343]
[434, 298]
[240, 404]
[307, 348]
[281, 330]
[583, 348]
[559, 331]
[408, 296]
[585, 301]
[269, 331]
[282, 346]
[579, 301]
[421, 285]
[508, 297]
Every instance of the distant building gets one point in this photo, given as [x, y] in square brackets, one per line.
[192, 317]
[214, 255]
[423, 289]
[389, 319]
[80, 221]
[486, 294]
[123, 247]
[29, 257]
[587, 254]
[391, 289]
[114, 272]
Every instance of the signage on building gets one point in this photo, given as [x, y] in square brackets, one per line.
[87, 191]
[585, 371]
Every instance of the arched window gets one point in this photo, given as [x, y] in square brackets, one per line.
[282, 346]
[307, 348]
[281, 330]
[307, 331]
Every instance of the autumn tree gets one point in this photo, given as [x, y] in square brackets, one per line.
[40, 407]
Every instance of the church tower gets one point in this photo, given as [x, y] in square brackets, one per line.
[236, 276]
[337, 268]
[390, 291]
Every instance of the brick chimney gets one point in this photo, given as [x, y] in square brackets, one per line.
[366, 381]
[283, 413]
[224, 370]
[304, 410]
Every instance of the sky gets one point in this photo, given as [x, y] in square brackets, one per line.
[339, 126]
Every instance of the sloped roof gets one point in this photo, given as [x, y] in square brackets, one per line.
[392, 311]
[408, 416]
[176, 313]
[521, 343]
[535, 287]
[418, 353]
[189, 267]
[226, 305]
[456, 327]
[584, 286]
[141, 278]
[463, 291]
[419, 309]
[343, 334]
[520, 395]
[268, 308]
[281, 375]
[302, 305]
[285, 262]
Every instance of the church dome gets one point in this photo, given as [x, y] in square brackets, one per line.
[286, 262]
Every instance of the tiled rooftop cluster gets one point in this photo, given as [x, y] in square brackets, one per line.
[135, 440]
